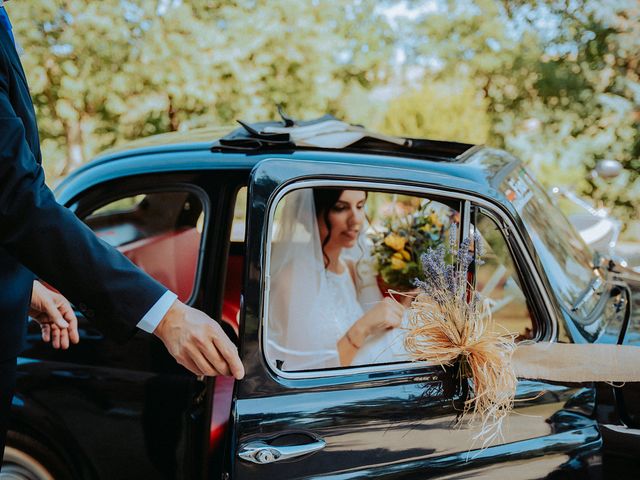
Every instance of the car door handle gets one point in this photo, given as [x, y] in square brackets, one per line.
[261, 452]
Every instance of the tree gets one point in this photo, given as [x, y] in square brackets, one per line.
[560, 78]
[103, 72]
[442, 111]
[557, 81]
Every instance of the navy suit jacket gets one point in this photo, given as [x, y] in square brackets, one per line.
[38, 236]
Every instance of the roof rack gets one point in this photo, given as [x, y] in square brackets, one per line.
[328, 133]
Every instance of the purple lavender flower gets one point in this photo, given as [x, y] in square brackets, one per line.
[453, 237]
[478, 248]
[443, 278]
[450, 278]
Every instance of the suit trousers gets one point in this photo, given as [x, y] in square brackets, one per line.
[7, 385]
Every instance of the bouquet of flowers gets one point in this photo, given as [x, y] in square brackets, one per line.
[398, 245]
[450, 322]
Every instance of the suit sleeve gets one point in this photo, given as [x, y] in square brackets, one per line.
[54, 244]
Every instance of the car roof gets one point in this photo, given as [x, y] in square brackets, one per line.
[195, 139]
[247, 145]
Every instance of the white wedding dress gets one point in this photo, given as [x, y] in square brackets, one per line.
[386, 347]
[309, 307]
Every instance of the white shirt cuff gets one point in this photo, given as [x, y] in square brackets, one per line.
[156, 313]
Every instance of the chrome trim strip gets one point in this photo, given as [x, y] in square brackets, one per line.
[466, 214]
[423, 191]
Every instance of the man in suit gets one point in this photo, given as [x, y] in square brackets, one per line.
[39, 237]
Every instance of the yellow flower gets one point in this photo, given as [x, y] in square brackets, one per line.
[397, 263]
[395, 241]
[405, 255]
[433, 218]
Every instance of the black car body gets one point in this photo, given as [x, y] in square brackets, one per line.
[109, 411]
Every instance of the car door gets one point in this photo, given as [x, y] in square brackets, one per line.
[132, 411]
[383, 421]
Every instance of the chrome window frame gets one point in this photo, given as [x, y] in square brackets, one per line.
[465, 200]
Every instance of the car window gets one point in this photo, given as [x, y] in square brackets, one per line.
[334, 255]
[566, 259]
[498, 282]
[160, 232]
[123, 205]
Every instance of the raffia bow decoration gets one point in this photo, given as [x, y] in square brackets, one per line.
[449, 322]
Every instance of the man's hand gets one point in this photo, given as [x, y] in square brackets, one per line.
[55, 315]
[198, 343]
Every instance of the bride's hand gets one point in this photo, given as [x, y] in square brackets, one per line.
[385, 315]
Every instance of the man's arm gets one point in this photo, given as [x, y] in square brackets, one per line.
[54, 244]
[50, 241]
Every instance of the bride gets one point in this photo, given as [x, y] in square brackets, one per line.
[325, 309]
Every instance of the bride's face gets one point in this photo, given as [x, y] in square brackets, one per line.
[345, 218]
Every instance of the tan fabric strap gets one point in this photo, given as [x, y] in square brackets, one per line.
[566, 362]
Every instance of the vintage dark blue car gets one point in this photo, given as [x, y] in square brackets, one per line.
[198, 212]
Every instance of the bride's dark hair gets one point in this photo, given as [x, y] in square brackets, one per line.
[323, 200]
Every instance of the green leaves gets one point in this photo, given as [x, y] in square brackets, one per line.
[114, 70]
[557, 83]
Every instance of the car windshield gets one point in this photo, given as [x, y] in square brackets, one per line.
[566, 258]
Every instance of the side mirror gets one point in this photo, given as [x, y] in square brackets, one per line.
[607, 169]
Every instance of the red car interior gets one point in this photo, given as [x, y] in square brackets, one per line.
[172, 258]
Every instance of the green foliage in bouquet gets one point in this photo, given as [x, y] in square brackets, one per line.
[398, 245]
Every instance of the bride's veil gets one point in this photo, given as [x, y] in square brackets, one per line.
[300, 333]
